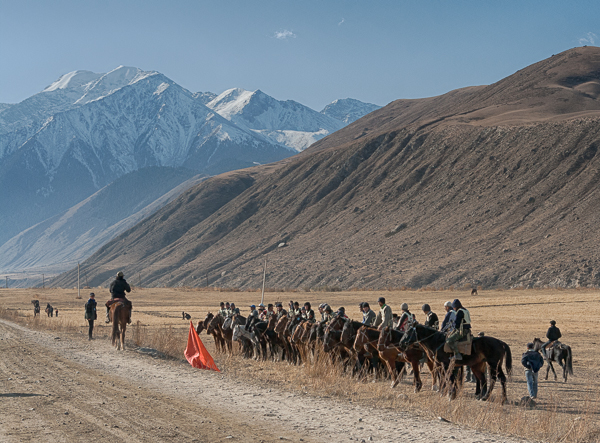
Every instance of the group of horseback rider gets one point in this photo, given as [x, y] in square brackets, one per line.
[457, 322]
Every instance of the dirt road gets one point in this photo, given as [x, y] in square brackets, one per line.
[59, 389]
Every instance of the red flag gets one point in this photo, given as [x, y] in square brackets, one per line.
[196, 353]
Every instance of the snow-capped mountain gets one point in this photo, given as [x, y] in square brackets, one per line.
[348, 110]
[103, 130]
[284, 122]
[86, 129]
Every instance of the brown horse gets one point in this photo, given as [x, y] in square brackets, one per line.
[119, 316]
[389, 352]
[213, 327]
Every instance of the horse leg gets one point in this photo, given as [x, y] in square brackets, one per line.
[389, 361]
[416, 371]
[123, 329]
[551, 366]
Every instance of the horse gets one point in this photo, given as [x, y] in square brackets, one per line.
[119, 315]
[212, 324]
[365, 346]
[246, 338]
[49, 310]
[36, 307]
[474, 291]
[558, 352]
[202, 325]
[484, 350]
[387, 346]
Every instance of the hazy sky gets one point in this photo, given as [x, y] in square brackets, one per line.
[309, 51]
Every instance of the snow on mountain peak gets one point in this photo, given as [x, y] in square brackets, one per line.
[73, 79]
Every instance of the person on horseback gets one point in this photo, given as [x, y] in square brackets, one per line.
[326, 313]
[222, 311]
[269, 311]
[229, 309]
[533, 362]
[406, 319]
[261, 312]
[280, 311]
[462, 328]
[384, 317]
[117, 291]
[431, 318]
[553, 334]
[341, 312]
[448, 322]
[90, 313]
[368, 314]
[309, 314]
[295, 310]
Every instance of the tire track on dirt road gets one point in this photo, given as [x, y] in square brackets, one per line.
[56, 389]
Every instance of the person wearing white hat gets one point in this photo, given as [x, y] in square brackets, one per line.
[448, 322]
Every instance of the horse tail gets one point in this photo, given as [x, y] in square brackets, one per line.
[115, 324]
[569, 361]
[508, 361]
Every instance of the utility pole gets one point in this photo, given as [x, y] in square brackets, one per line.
[78, 285]
[43, 282]
[7, 282]
[262, 298]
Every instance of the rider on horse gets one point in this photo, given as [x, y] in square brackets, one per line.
[280, 311]
[309, 314]
[553, 334]
[384, 317]
[462, 328]
[369, 315]
[222, 310]
[406, 319]
[448, 322]
[431, 318]
[117, 291]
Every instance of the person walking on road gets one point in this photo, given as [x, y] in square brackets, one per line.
[90, 313]
[533, 362]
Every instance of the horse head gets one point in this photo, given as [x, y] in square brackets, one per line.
[410, 337]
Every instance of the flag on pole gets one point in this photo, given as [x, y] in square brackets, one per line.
[196, 353]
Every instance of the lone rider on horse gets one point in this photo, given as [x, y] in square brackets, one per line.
[553, 334]
[462, 328]
[117, 293]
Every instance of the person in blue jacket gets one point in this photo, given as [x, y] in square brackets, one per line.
[533, 362]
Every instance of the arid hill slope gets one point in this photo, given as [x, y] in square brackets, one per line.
[492, 185]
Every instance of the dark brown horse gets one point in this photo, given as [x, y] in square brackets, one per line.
[36, 307]
[49, 310]
[213, 327]
[558, 352]
[119, 316]
[484, 351]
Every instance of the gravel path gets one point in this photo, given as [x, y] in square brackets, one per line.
[59, 389]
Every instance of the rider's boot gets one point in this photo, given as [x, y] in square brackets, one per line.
[457, 356]
[107, 317]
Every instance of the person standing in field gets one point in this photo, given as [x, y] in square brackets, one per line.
[384, 317]
[533, 362]
[90, 313]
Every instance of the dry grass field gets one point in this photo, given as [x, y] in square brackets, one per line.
[565, 412]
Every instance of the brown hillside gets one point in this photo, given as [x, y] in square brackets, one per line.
[493, 185]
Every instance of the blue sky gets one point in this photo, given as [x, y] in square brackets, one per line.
[309, 51]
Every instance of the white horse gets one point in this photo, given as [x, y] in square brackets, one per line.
[240, 334]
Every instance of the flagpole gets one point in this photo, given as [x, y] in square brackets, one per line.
[262, 298]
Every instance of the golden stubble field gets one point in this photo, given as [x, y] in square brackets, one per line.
[567, 412]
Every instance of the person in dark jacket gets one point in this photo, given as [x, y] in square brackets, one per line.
[553, 334]
[117, 290]
[431, 318]
[369, 315]
[448, 322]
[462, 327]
[309, 314]
[90, 313]
[533, 362]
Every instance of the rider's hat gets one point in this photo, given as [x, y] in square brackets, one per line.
[252, 306]
[120, 274]
[278, 304]
[448, 304]
[426, 308]
[92, 294]
[381, 300]
[552, 322]
[404, 306]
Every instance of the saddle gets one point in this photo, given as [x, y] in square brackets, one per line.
[464, 345]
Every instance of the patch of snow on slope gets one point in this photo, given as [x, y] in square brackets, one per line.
[161, 88]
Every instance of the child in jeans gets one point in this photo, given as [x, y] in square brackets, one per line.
[533, 362]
